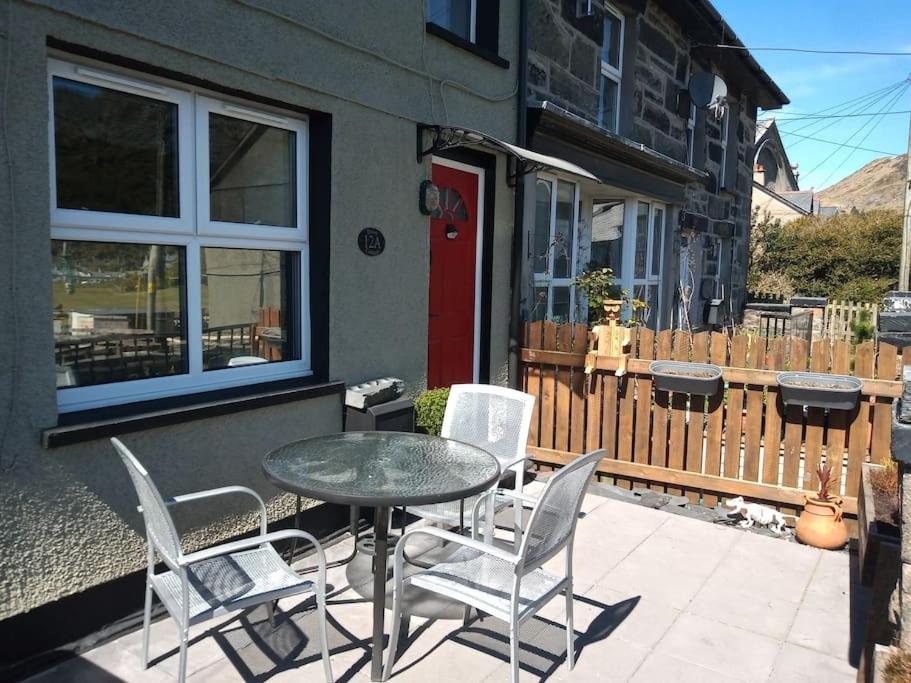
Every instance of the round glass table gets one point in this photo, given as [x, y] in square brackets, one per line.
[381, 470]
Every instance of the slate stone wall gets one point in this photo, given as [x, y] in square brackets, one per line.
[564, 68]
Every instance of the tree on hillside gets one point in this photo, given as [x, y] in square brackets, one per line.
[848, 256]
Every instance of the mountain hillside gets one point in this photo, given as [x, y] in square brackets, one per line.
[878, 185]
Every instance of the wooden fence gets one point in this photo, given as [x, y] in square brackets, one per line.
[840, 315]
[742, 441]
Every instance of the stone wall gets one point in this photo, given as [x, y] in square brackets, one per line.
[564, 68]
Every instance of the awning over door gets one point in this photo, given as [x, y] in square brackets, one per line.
[527, 161]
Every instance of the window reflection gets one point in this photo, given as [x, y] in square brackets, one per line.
[641, 252]
[251, 172]
[564, 230]
[114, 151]
[118, 312]
[246, 305]
[607, 235]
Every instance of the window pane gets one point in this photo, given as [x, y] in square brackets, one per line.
[114, 151]
[657, 240]
[541, 239]
[607, 236]
[564, 230]
[607, 111]
[118, 312]
[641, 252]
[454, 15]
[560, 306]
[247, 307]
[610, 50]
[251, 173]
[647, 294]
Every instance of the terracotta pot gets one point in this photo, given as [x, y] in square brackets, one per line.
[821, 524]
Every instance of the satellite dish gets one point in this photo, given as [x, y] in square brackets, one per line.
[707, 90]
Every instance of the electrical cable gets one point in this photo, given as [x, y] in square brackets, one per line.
[819, 125]
[856, 132]
[744, 48]
[800, 117]
[833, 142]
[872, 126]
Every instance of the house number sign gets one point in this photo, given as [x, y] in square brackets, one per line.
[371, 241]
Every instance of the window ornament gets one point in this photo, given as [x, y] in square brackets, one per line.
[451, 206]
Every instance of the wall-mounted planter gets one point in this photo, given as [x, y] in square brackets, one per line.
[702, 379]
[835, 392]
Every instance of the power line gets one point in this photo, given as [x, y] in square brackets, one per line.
[833, 142]
[800, 117]
[744, 48]
[862, 126]
[852, 106]
[873, 125]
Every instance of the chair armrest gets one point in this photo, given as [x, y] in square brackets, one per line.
[224, 490]
[516, 461]
[524, 497]
[474, 544]
[252, 542]
[485, 498]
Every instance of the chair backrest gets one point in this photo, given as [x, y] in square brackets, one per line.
[496, 419]
[159, 526]
[554, 518]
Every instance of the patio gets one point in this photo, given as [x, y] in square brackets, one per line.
[659, 597]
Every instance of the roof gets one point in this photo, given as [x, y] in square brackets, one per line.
[767, 130]
[801, 198]
[705, 24]
[781, 198]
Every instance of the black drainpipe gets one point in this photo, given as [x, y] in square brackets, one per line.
[518, 237]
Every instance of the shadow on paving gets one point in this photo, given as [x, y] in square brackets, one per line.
[542, 649]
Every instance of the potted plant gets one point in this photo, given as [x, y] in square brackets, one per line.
[691, 378]
[429, 409]
[605, 296]
[835, 392]
[821, 523]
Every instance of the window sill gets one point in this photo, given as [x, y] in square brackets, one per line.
[100, 423]
[459, 41]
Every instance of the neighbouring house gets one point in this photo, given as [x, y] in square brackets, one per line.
[607, 89]
[776, 191]
[212, 223]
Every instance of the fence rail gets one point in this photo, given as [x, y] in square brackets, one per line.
[741, 441]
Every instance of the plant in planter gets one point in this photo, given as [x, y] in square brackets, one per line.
[429, 409]
[821, 524]
[816, 390]
[692, 378]
[897, 668]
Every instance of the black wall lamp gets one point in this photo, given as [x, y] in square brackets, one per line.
[429, 198]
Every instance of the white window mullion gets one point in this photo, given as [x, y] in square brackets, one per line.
[194, 309]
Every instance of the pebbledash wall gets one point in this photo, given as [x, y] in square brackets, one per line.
[564, 68]
[69, 513]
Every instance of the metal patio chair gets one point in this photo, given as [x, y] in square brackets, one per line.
[496, 419]
[508, 586]
[226, 578]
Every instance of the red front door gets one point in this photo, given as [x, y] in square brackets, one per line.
[453, 254]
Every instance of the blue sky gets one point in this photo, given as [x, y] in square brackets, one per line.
[816, 82]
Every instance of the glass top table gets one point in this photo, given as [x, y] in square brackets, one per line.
[380, 470]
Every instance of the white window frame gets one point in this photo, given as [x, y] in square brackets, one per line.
[472, 22]
[627, 279]
[725, 131]
[691, 135]
[546, 279]
[611, 72]
[112, 80]
[207, 226]
[188, 232]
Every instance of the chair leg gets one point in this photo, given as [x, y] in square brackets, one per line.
[514, 650]
[570, 635]
[182, 665]
[466, 616]
[270, 607]
[396, 629]
[323, 634]
[146, 625]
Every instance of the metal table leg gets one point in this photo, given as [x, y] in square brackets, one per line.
[381, 540]
[355, 515]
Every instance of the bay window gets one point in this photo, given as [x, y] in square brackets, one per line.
[178, 237]
[611, 69]
[553, 245]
